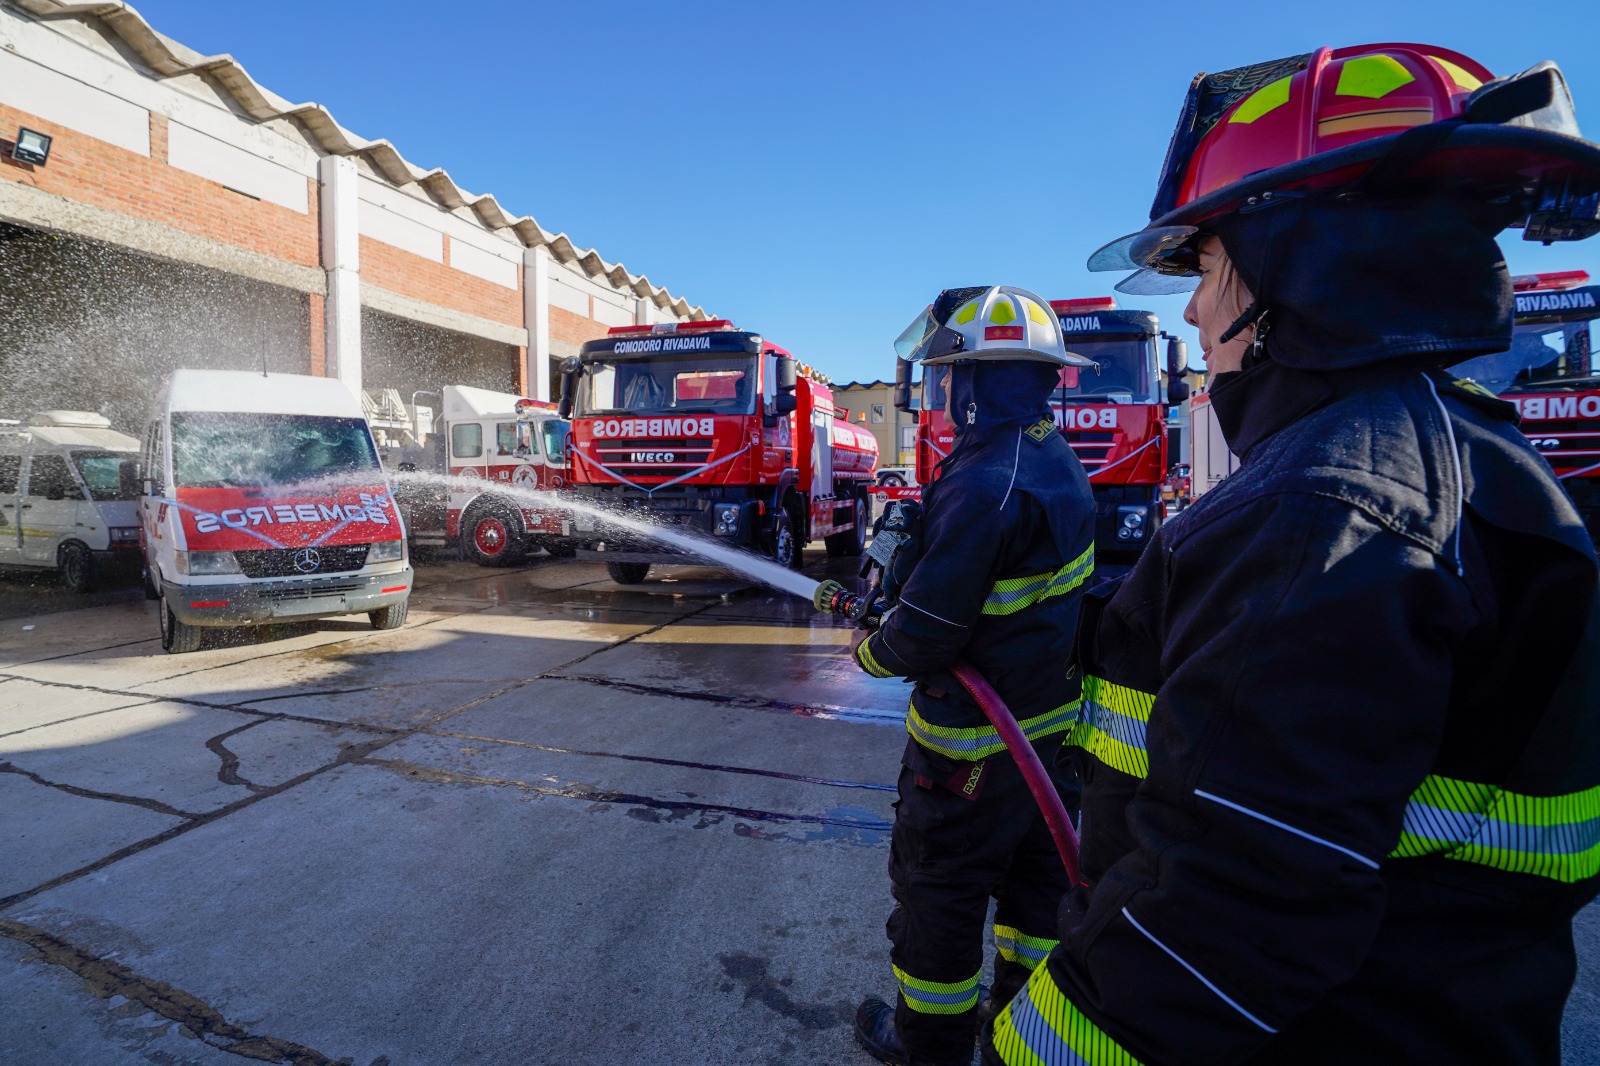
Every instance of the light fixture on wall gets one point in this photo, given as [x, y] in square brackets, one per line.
[31, 147]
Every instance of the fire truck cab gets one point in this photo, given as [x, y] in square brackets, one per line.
[1552, 373]
[703, 426]
[491, 445]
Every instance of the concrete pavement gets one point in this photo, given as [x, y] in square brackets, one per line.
[552, 820]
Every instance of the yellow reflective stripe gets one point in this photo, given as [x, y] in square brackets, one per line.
[983, 741]
[938, 997]
[1263, 101]
[1036, 312]
[1112, 725]
[968, 312]
[1012, 594]
[1373, 77]
[1001, 313]
[1016, 946]
[869, 662]
[1548, 836]
[1041, 1027]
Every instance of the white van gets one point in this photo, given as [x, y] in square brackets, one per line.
[261, 500]
[62, 502]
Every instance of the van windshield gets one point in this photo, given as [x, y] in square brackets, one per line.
[213, 449]
[101, 473]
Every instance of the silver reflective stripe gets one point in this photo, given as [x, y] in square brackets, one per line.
[1119, 727]
[1229, 1000]
[1437, 823]
[1286, 827]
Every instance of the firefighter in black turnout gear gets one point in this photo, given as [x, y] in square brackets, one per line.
[1006, 547]
[1341, 723]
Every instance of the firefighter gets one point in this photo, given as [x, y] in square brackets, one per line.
[1005, 549]
[1339, 747]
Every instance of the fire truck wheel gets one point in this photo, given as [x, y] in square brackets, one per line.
[390, 617]
[492, 537]
[177, 637]
[852, 541]
[785, 549]
[77, 567]
[627, 573]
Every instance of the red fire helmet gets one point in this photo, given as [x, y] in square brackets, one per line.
[1425, 118]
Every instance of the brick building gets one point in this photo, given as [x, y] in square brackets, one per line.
[187, 216]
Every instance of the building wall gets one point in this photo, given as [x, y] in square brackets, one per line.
[183, 169]
[861, 398]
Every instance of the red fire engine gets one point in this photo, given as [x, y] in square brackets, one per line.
[1552, 374]
[1114, 416]
[704, 426]
[485, 439]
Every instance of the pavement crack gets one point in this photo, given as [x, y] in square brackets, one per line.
[808, 710]
[228, 773]
[89, 793]
[580, 791]
[657, 760]
[105, 979]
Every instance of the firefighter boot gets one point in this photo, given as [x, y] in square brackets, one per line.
[876, 1032]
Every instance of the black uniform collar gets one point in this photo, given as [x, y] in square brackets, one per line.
[1252, 405]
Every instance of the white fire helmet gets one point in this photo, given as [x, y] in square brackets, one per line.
[994, 322]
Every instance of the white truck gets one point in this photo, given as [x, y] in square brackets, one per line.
[62, 502]
[261, 499]
[487, 442]
[1209, 458]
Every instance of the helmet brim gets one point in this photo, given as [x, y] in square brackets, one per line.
[1023, 354]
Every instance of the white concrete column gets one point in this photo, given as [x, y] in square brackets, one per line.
[536, 315]
[641, 311]
[341, 258]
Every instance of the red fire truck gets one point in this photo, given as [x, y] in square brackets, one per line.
[484, 439]
[1552, 374]
[705, 426]
[1114, 416]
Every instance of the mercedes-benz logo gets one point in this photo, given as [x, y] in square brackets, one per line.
[307, 560]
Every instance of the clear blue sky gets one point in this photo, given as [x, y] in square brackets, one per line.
[819, 171]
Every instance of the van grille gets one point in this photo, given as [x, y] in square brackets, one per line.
[280, 562]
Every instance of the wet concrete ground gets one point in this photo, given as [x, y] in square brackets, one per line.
[552, 820]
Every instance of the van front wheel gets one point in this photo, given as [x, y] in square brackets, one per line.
[390, 617]
[77, 567]
[177, 636]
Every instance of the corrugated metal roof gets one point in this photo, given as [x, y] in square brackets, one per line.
[167, 58]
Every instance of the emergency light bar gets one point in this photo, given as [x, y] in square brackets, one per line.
[1560, 279]
[673, 327]
[1078, 307]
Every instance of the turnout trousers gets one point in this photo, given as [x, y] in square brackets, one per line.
[949, 855]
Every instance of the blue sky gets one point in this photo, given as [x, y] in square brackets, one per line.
[819, 171]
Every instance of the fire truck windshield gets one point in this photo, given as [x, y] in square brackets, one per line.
[709, 383]
[1543, 355]
[1126, 369]
[215, 449]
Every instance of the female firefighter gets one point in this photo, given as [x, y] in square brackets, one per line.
[1005, 549]
[1339, 747]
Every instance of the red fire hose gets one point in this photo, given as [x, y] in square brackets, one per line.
[1033, 772]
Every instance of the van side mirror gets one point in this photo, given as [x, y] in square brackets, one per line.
[902, 385]
[569, 386]
[128, 481]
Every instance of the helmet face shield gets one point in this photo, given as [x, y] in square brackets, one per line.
[1163, 249]
[1155, 283]
[926, 339]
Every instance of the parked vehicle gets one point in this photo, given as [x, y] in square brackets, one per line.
[894, 477]
[1552, 374]
[261, 499]
[62, 504]
[488, 439]
[709, 427]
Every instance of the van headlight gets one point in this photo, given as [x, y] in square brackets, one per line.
[727, 516]
[386, 551]
[123, 534]
[202, 563]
